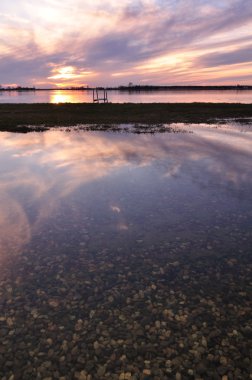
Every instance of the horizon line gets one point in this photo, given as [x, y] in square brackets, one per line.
[127, 87]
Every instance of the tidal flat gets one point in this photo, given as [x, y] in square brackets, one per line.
[126, 256]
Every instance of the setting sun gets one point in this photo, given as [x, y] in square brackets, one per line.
[69, 73]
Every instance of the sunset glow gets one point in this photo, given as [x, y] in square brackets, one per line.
[59, 96]
[55, 43]
[68, 75]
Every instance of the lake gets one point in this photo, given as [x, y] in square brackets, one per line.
[126, 256]
[179, 96]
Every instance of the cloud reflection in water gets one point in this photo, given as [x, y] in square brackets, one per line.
[39, 170]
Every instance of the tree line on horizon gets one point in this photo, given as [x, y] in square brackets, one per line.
[134, 88]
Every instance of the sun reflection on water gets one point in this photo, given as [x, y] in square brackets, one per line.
[65, 96]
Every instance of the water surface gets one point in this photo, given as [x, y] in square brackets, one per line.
[179, 96]
[125, 253]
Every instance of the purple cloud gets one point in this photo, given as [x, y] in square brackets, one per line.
[106, 38]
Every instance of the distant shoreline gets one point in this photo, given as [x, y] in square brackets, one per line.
[137, 88]
[16, 117]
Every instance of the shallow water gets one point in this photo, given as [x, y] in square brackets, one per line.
[179, 96]
[125, 253]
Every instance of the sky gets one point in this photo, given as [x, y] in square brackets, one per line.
[59, 43]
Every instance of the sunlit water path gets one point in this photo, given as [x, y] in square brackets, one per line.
[126, 256]
[180, 96]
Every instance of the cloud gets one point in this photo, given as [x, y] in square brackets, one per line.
[243, 55]
[109, 37]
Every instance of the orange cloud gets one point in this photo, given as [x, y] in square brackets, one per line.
[104, 42]
[69, 74]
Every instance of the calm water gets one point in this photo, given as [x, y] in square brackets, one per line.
[59, 96]
[126, 256]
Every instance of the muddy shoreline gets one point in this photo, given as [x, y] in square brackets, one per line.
[15, 117]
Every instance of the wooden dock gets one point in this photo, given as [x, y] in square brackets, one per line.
[100, 95]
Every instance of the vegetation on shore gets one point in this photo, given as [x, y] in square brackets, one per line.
[135, 88]
[14, 117]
